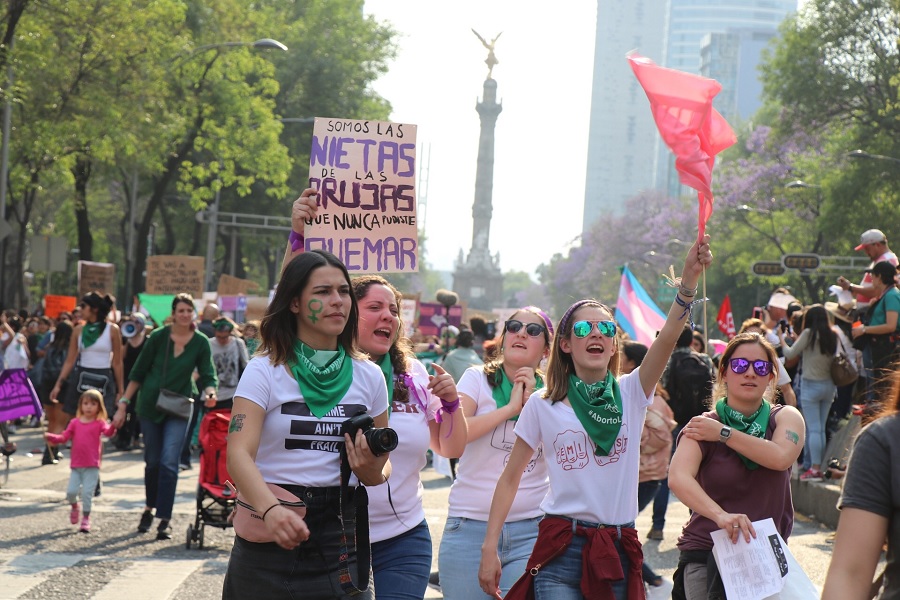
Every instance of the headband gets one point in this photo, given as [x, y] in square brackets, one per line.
[564, 322]
[542, 315]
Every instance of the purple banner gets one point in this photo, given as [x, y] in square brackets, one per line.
[433, 316]
[17, 396]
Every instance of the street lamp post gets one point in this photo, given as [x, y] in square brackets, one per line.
[868, 155]
[262, 44]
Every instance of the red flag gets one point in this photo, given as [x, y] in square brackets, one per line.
[682, 108]
[725, 320]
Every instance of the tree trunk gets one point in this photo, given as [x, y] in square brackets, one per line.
[82, 173]
[160, 185]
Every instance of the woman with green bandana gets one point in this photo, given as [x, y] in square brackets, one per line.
[733, 464]
[588, 422]
[492, 397]
[424, 412]
[96, 346]
[306, 380]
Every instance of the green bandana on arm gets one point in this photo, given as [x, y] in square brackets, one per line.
[322, 388]
[754, 425]
[598, 407]
[503, 390]
[90, 333]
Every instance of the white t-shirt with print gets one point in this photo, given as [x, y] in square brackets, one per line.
[15, 356]
[411, 424]
[599, 489]
[294, 446]
[483, 461]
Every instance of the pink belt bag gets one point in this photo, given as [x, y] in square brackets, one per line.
[248, 522]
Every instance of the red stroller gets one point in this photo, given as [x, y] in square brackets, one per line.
[215, 501]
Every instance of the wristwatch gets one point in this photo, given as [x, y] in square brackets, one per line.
[725, 434]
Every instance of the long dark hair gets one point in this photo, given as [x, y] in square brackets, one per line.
[401, 352]
[62, 335]
[278, 328]
[818, 321]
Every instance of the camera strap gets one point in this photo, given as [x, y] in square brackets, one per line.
[359, 499]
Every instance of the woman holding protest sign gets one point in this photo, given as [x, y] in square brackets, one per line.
[423, 411]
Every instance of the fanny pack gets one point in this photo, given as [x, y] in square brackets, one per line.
[248, 522]
[92, 381]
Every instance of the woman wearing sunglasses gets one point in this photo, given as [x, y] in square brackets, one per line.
[732, 465]
[492, 397]
[588, 422]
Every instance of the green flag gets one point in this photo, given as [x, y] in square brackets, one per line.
[159, 306]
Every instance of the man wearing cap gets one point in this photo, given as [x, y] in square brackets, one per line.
[874, 243]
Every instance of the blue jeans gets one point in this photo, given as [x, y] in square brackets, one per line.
[401, 565]
[817, 398]
[460, 555]
[162, 447]
[85, 479]
[560, 579]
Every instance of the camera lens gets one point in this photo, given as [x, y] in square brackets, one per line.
[381, 440]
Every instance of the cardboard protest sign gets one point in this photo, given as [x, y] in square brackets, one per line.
[175, 275]
[54, 305]
[433, 316]
[96, 277]
[365, 172]
[229, 285]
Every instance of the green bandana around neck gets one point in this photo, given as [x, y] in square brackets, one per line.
[504, 387]
[754, 425]
[387, 368]
[598, 407]
[90, 333]
[322, 388]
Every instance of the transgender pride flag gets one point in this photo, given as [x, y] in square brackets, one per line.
[636, 312]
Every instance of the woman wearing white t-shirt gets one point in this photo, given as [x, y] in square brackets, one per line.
[589, 424]
[423, 412]
[492, 397]
[306, 380]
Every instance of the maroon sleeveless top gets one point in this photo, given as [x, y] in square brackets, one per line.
[759, 494]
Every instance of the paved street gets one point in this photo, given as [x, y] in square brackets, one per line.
[43, 556]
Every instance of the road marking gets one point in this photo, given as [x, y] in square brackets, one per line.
[148, 579]
[21, 572]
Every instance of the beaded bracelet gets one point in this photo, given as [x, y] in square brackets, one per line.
[296, 241]
[270, 508]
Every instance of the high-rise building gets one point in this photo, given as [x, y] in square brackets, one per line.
[622, 134]
[689, 23]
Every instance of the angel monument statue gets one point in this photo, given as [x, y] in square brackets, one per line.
[491, 60]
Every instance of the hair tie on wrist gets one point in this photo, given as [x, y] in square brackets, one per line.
[296, 240]
[270, 508]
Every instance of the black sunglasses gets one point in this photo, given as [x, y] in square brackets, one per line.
[760, 367]
[532, 329]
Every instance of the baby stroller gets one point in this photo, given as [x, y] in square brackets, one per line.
[215, 500]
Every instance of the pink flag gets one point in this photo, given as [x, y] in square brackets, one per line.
[682, 108]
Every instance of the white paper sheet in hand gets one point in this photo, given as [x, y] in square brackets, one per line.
[763, 569]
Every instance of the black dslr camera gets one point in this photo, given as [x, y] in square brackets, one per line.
[380, 439]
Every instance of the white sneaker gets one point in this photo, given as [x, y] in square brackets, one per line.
[660, 592]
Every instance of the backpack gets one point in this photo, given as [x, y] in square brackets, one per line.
[689, 386]
[53, 362]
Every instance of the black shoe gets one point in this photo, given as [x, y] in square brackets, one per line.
[97, 490]
[146, 521]
[49, 458]
[164, 532]
[434, 581]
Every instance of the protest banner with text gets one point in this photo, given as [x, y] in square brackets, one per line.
[365, 172]
[173, 274]
[96, 277]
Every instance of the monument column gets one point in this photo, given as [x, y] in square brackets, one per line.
[478, 279]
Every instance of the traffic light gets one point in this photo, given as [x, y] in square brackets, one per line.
[804, 262]
[768, 267]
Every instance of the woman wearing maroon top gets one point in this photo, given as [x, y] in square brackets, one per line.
[733, 464]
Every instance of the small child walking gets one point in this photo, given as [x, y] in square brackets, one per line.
[84, 430]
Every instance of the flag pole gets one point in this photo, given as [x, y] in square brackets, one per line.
[705, 328]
